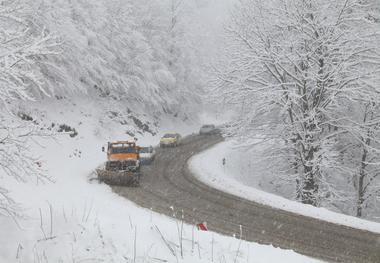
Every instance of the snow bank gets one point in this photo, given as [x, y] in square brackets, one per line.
[208, 168]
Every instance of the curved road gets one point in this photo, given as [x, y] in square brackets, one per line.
[168, 182]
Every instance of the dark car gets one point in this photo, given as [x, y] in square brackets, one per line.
[208, 129]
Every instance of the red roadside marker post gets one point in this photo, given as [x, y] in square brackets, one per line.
[202, 226]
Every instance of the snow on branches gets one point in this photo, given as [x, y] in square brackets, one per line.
[21, 50]
[305, 72]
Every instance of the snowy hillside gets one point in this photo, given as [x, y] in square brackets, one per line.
[97, 56]
[117, 49]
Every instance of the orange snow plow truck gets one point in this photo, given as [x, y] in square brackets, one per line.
[123, 164]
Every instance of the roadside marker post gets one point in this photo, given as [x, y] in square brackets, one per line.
[202, 226]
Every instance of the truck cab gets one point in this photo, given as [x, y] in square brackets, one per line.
[123, 156]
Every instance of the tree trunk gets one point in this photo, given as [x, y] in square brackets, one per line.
[360, 190]
[309, 191]
[360, 201]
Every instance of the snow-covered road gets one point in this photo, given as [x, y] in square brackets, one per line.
[169, 187]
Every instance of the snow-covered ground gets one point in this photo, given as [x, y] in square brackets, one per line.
[232, 178]
[76, 219]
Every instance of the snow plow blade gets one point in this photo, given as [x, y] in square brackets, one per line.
[122, 178]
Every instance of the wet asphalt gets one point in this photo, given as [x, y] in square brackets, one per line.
[168, 184]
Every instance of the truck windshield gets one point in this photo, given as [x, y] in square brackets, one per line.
[123, 149]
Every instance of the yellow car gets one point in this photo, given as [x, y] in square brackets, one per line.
[170, 140]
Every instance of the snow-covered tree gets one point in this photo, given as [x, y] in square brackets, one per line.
[364, 126]
[365, 144]
[163, 23]
[22, 52]
[298, 69]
